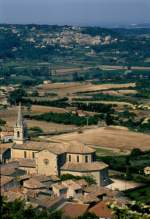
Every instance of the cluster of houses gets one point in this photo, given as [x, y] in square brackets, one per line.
[50, 192]
[33, 171]
[67, 37]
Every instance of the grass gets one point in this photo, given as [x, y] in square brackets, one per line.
[106, 152]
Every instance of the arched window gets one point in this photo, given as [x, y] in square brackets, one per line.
[77, 158]
[18, 134]
[86, 159]
[33, 155]
[69, 158]
[25, 154]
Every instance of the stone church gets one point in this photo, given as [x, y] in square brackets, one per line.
[55, 158]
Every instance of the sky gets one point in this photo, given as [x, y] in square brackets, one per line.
[75, 12]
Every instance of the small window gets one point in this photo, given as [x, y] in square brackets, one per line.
[86, 159]
[18, 134]
[46, 161]
[69, 158]
[33, 155]
[77, 158]
[25, 154]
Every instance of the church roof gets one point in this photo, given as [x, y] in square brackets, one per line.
[55, 147]
[76, 147]
[84, 167]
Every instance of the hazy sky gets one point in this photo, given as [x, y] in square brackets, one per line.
[76, 12]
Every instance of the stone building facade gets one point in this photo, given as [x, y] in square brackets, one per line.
[56, 158]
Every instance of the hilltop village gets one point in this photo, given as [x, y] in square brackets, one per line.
[34, 171]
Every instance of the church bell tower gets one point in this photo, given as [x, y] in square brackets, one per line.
[20, 129]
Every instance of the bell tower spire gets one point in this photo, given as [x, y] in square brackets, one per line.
[20, 128]
[19, 118]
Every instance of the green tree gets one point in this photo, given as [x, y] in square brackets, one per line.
[16, 96]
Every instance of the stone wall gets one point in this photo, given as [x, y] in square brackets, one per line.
[47, 163]
[81, 158]
[101, 176]
[18, 153]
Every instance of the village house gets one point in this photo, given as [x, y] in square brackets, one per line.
[7, 183]
[55, 158]
[7, 135]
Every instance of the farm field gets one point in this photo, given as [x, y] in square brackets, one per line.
[110, 137]
[63, 89]
[10, 116]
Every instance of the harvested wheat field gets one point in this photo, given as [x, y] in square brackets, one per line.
[10, 116]
[110, 137]
[37, 109]
[49, 126]
[64, 89]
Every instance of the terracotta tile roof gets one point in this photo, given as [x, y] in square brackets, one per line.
[74, 210]
[33, 184]
[77, 147]
[56, 147]
[7, 171]
[5, 179]
[23, 162]
[59, 186]
[89, 198]
[43, 178]
[93, 189]
[101, 210]
[71, 184]
[84, 167]
[82, 183]
[9, 168]
[13, 195]
[49, 202]
[54, 178]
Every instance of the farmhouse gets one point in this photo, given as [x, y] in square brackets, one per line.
[55, 158]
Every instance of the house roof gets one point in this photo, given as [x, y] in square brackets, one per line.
[71, 184]
[74, 210]
[9, 168]
[55, 147]
[82, 182]
[97, 191]
[101, 210]
[7, 171]
[49, 202]
[23, 162]
[90, 198]
[13, 195]
[84, 167]
[33, 184]
[5, 179]
[59, 186]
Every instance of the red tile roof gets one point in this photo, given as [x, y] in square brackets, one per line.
[74, 210]
[101, 210]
